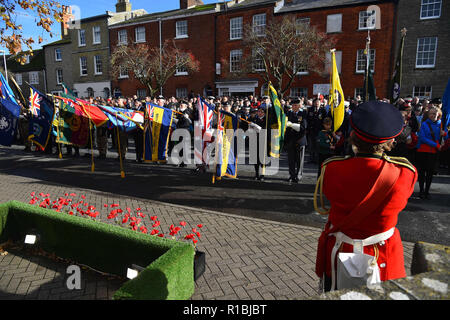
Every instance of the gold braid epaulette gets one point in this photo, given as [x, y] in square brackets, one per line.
[400, 161]
[338, 158]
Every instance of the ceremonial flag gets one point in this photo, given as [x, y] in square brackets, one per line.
[277, 123]
[40, 123]
[396, 85]
[446, 107]
[369, 86]
[125, 119]
[6, 91]
[156, 138]
[203, 130]
[90, 111]
[67, 91]
[72, 124]
[9, 115]
[226, 163]
[336, 95]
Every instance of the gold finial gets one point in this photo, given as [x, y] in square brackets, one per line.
[404, 30]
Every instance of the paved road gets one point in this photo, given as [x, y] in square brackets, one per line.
[273, 200]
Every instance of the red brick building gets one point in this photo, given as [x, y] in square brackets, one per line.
[192, 29]
[213, 33]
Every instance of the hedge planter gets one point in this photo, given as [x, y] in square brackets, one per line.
[199, 264]
[168, 264]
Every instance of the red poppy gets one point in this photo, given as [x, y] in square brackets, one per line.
[125, 219]
[161, 235]
[156, 224]
[143, 229]
[105, 205]
[198, 234]
[183, 223]
[154, 231]
[73, 194]
[83, 197]
[194, 241]
[200, 226]
[138, 209]
[153, 218]
[194, 230]
[71, 213]
[32, 194]
[114, 205]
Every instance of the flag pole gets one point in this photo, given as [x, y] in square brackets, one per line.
[122, 173]
[367, 52]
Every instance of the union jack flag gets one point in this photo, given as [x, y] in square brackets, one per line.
[150, 108]
[35, 103]
[203, 130]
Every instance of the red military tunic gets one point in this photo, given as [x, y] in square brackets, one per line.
[346, 183]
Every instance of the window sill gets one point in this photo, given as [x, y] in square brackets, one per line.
[94, 43]
[181, 74]
[81, 45]
[123, 77]
[235, 39]
[425, 68]
[181, 37]
[140, 41]
[98, 74]
[60, 60]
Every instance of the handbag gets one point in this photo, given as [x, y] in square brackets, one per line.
[356, 270]
[379, 191]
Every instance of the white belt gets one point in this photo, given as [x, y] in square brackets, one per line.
[358, 246]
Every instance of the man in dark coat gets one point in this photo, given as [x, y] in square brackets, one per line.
[295, 139]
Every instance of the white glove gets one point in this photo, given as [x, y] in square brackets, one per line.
[295, 126]
[255, 126]
[289, 124]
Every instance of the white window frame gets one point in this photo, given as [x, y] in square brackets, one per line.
[259, 24]
[297, 92]
[58, 52]
[94, 33]
[123, 73]
[425, 66]
[97, 59]
[181, 92]
[181, 29]
[139, 93]
[302, 21]
[59, 77]
[233, 60]
[83, 66]
[33, 77]
[122, 37]
[416, 93]
[361, 58]
[422, 5]
[19, 78]
[364, 18]
[236, 28]
[81, 37]
[139, 34]
[329, 20]
[257, 61]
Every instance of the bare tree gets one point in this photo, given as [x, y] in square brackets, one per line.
[152, 66]
[281, 50]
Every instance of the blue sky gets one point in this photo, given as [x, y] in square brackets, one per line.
[90, 8]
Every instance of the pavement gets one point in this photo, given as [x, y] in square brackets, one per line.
[260, 238]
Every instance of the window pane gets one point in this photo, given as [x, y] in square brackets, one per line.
[259, 24]
[334, 23]
[181, 27]
[81, 37]
[426, 52]
[430, 9]
[235, 59]
[236, 28]
[96, 34]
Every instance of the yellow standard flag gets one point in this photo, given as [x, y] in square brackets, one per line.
[336, 94]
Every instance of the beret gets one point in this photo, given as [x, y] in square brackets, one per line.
[295, 101]
[160, 97]
[376, 122]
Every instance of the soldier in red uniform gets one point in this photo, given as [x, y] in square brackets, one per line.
[366, 192]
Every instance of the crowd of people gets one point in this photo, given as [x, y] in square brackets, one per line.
[309, 129]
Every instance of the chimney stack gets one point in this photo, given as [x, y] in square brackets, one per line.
[184, 4]
[123, 6]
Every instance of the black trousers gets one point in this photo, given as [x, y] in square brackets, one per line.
[139, 144]
[294, 159]
[426, 163]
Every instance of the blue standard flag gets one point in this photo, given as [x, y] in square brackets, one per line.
[156, 138]
[9, 113]
[446, 106]
[40, 125]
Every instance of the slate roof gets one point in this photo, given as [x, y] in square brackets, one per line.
[300, 5]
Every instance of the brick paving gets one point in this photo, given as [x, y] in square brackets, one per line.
[246, 258]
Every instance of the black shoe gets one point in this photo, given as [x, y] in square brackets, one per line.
[427, 196]
[182, 165]
[290, 180]
[76, 155]
[261, 178]
[422, 195]
[101, 157]
[295, 180]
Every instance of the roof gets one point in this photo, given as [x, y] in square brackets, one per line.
[169, 14]
[57, 43]
[37, 62]
[300, 5]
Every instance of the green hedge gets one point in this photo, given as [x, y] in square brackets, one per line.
[168, 272]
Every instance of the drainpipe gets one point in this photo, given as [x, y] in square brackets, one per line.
[160, 52]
